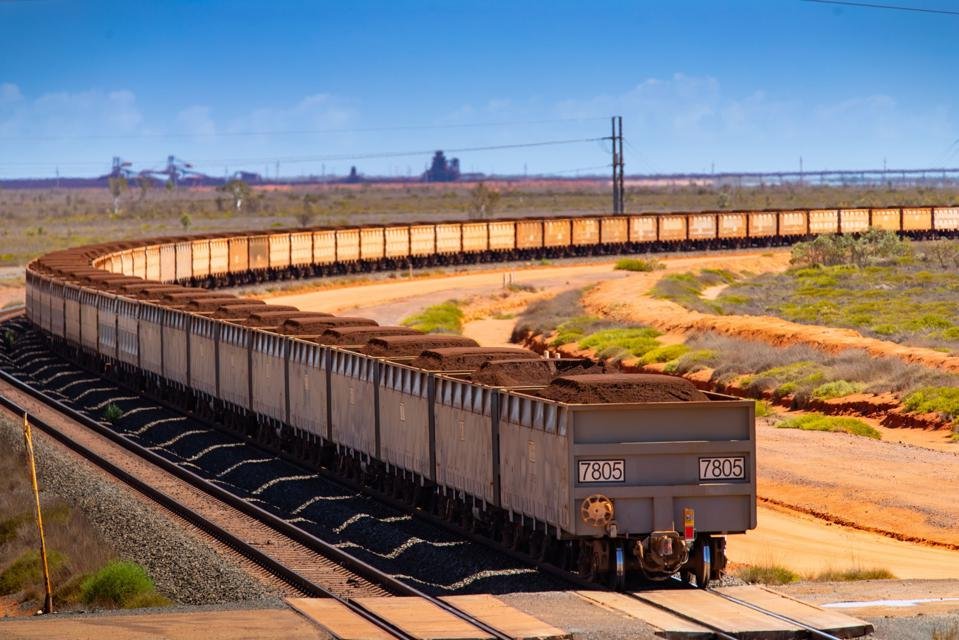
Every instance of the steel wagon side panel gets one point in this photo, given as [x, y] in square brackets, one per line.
[917, 219]
[886, 219]
[203, 355]
[219, 256]
[793, 223]
[614, 230]
[128, 339]
[422, 240]
[351, 400]
[642, 229]
[475, 237]
[347, 245]
[167, 262]
[534, 461]
[140, 262]
[184, 260]
[372, 243]
[672, 228]
[269, 375]
[854, 220]
[585, 231]
[107, 325]
[502, 235]
[702, 226]
[557, 232]
[822, 221]
[301, 248]
[946, 218]
[88, 320]
[464, 437]
[153, 262]
[279, 250]
[529, 234]
[732, 225]
[234, 365]
[404, 418]
[324, 246]
[239, 254]
[175, 346]
[448, 238]
[308, 387]
[71, 312]
[259, 251]
[397, 242]
[151, 355]
[200, 266]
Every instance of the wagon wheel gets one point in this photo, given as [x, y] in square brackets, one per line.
[702, 561]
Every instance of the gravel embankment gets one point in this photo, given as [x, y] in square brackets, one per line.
[184, 568]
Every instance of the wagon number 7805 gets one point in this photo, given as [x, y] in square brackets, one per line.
[725, 468]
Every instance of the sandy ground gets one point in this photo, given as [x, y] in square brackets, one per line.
[10, 296]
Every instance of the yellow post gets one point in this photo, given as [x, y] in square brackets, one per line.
[28, 438]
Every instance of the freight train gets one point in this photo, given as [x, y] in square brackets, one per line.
[600, 483]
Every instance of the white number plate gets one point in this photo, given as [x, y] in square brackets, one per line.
[726, 468]
[602, 471]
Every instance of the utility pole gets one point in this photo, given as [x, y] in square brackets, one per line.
[619, 189]
[31, 463]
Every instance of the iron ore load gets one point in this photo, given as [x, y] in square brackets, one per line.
[604, 474]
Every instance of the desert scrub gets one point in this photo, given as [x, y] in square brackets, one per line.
[766, 574]
[694, 360]
[836, 389]
[852, 575]
[904, 299]
[819, 422]
[446, 317]
[25, 570]
[665, 353]
[121, 584]
[621, 342]
[686, 288]
[112, 413]
[764, 409]
[637, 264]
[941, 400]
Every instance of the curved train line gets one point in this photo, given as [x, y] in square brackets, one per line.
[132, 309]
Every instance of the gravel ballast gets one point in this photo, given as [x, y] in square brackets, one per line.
[185, 569]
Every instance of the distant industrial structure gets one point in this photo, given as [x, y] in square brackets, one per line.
[442, 170]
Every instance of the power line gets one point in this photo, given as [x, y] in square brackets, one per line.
[869, 5]
[332, 158]
[299, 132]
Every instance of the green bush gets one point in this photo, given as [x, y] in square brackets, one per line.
[26, 570]
[763, 409]
[850, 575]
[941, 400]
[637, 264]
[767, 574]
[112, 413]
[120, 584]
[819, 422]
[837, 389]
[9, 526]
[634, 341]
[665, 353]
[446, 317]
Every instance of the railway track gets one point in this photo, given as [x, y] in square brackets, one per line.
[316, 573]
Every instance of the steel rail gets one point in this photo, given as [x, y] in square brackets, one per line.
[783, 618]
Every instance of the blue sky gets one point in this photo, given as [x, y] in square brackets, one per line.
[730, 84]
